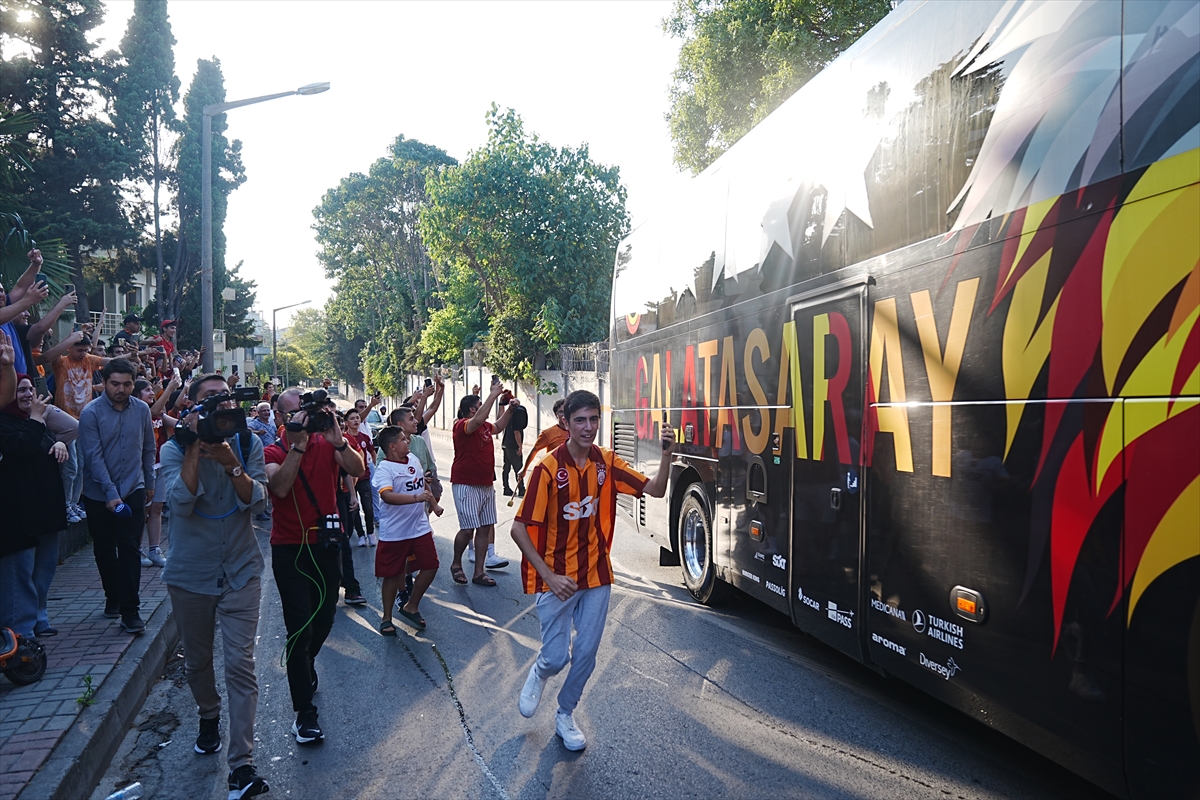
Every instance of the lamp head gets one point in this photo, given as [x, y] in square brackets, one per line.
[314, 88]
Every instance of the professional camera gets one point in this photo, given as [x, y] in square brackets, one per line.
[217, 424]
[319, 418]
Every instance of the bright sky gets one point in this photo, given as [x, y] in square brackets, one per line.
[594, 72]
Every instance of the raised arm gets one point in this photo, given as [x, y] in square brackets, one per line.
[485, 408]
[438, 390]
[8, 373]
[22, 303]
[48, 356]
[657, 485]
[27, 278]
[38, 329]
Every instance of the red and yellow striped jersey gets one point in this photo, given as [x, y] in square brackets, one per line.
[570, 512]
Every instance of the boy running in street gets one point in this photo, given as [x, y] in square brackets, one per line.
[566, 519]
[404, 528]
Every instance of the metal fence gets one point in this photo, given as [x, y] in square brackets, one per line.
[591, 357]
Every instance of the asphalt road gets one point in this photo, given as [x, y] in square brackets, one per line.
[686, 701]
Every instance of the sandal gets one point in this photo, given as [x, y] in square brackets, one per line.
[456, 572]
[414, 618]
[386, 628]
[483, 580]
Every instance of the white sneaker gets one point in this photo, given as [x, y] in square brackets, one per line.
[494, 561]
[156, 557]
[362, 541]
[145, 558]
[79, 509]
[72, 516]
[531, 693]
[564, 726]
[371, 540]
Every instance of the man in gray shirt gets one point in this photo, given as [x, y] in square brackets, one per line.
[213, 489]
[117, 438]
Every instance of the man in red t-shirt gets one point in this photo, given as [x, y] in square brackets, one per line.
[473, 475]
[303, 468]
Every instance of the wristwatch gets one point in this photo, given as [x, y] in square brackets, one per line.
[236, 472]
[345, 444]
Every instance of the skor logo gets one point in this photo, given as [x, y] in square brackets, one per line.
[946, 670]
[779, 562]
[583, 509]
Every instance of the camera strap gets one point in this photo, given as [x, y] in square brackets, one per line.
[312, 497]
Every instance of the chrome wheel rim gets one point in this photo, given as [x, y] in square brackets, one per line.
[695, 544]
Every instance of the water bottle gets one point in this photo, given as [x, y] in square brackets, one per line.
[131, 792]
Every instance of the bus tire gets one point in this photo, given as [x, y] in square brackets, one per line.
[695, 538]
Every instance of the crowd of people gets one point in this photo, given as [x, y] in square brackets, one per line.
[122, 437]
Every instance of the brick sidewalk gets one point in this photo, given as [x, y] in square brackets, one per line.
[34, 718]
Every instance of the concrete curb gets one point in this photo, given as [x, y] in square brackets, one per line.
[85, 752]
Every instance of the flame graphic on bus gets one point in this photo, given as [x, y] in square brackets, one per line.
[1107, 306]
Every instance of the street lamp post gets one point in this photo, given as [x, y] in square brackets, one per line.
[206, 293]
[274, 354]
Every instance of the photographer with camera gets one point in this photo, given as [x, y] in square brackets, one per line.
[214, 480]
[305, 534]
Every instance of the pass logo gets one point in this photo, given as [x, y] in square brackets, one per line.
[586, 507]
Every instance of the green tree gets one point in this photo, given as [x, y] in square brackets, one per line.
[741, 58]
[144, 106]
[294, 364]
[72, 191]
[183, 280]
[536, 227]
[370, 244]
[235, 314]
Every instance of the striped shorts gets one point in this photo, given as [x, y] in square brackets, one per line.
[476, 505]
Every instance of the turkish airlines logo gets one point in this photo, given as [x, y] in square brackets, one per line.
[586, 507]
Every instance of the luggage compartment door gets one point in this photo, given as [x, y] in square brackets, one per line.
[827, 551]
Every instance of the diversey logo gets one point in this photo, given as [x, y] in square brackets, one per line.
[946, 670]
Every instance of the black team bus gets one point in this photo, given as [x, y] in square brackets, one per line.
[929, 338]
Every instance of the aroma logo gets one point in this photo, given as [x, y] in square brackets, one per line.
[947, 670]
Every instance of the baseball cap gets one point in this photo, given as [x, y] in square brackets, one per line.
[167, 323]
[132, 318]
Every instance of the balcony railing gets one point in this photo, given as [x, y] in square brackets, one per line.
[107, 326]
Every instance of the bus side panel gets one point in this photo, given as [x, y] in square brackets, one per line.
[1162, 606]
[1035, 649]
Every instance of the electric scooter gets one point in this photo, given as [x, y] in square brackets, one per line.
[22, 660]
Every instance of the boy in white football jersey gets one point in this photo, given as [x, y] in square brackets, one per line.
[404, 528]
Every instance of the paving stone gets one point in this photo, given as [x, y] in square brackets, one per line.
[30, 725]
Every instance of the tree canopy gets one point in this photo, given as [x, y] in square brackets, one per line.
[367, 230]
[741, 58]
[526, 233]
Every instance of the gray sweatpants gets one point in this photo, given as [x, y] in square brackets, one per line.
[588, 611]
[196, 616]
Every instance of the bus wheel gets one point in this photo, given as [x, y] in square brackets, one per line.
[696, 548]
